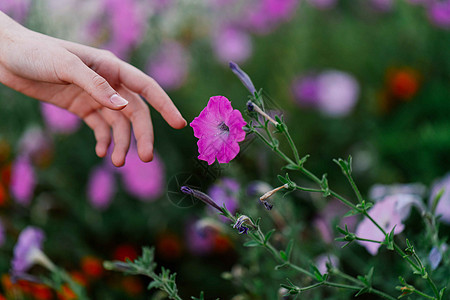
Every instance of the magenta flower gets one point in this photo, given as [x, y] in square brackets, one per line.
[439, 14]
[59, 120]
[145, 181]
[101, 187]
[306, 90]
[233, 44]
[169, 66]
[23, 180]
[385, 213]
[28, 251]
[219, 129]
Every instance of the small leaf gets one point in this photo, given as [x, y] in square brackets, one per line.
[351, 213]
[289, 249]
[268, 235]
[441, 293]
[362, 291]
[252, 244]
[282, 179]
[283, 255]
[291, 167]
[280, 266]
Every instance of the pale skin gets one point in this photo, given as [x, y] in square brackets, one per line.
[91, 83]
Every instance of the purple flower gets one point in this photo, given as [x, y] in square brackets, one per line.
[243, 224]
[306, 90]
[231, 43]
[386, 215]
[243, 77]
[268, 14]
[435, 256]
[101, 187]
[219, 129]
[2, 234]
[201, 196]
[16, 9]
[337, 93]
[145, 181]
[199, 241]
[59, 120]
[118, 26]
[323, 4]
[443, 207]
[439, 13]
[169, 66]
[23, 180]
[28, 251]
[226, 192]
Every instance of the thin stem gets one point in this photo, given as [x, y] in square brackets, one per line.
[423, 294]
[291, 143]
[355, 188]
[368, 240]
[308, 189]
[433, 286]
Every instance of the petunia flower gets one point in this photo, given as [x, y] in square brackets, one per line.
[230, 43]
[101, 187]
[198, 240]
[439, 14]
[243, 224]
[219, 129]
[23, 180]
[443, 207]
[387, 216]
[2, 234]
[28, 251]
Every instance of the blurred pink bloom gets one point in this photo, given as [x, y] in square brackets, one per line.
[145, 181]
[387, 216]
[323, 4]
[219, 129]
[266, 15]
[199, 240]
[225, 192]
[101, 187]
[16, 9]
[337, 93]
[232, 44]
[59, 120]
[439, 13]
[322, 260]
[119, 26]
[2, 234]
[169, 66]
[305, 90]
[443, 208]
[23, 180]
[28, 246]
[330, 216]
[36, 145]
[382, 5]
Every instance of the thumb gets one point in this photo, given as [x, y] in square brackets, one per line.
[92, 83]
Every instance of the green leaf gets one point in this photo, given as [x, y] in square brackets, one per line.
[346, 165]
[291, 167]
[390, 239]
[154, 285]
[316, 272]
[268, 235]
[351, 213]
[441, 293]
[362, 291]
[283, 255]
[277, 267]
[252, 244]
[282, 179]
[289, 247]
[324, 186]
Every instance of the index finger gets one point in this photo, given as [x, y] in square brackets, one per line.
[139, 82]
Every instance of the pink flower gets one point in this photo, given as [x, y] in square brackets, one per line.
[439, 14]
[199, 241]
[59, 120]
[23, 180]
[27, 250]
[219, 129]
[101, 187]
[145, 181]
[2, 234]
[225, 192]
[387, 215]
[443, 207]
[232, 44]
[169, 66]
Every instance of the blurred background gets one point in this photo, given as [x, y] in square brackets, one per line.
[368, 78]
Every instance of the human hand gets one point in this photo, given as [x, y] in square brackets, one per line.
[88, 82]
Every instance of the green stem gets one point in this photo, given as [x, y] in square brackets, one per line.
[355, 188]
[291, 143]
[423, 294]
[368, 240]
[308, 189]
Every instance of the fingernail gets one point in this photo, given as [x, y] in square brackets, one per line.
[185, 122]
[117, 100]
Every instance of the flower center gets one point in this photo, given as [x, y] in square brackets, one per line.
[222, 126]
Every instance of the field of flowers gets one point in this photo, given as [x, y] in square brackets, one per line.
[315, 163]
